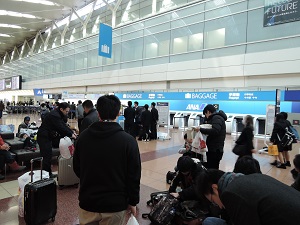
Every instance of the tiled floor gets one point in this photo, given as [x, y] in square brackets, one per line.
[158, 157]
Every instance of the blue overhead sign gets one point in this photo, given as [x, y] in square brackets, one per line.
[212, 96]
[38, 92]
[292, 95]
[105, 40]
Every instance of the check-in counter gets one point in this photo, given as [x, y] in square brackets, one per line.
[228, 123]
[237, 124]
[259, 125]
[194, 119]
[178, 120]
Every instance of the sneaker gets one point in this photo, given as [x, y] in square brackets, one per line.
[287, 163]
[274, 163]
[281, 166]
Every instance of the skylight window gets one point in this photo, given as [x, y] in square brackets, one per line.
[16, 14]
[43, 2]
[10, 26]
[5, 35]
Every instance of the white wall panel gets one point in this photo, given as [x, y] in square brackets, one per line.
[130, 79]
[229, 71]
[273, 56]
[273, 68]
[183, 74]
[222, 61]
[187, 65]
[154, 69]
[274, 80]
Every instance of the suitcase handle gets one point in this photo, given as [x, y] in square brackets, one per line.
[31, 170]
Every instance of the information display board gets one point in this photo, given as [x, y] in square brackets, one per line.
[163, 109]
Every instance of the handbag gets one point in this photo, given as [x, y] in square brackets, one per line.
[273, 150]
[239, 149]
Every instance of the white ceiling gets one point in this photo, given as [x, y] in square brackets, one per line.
[27, 28]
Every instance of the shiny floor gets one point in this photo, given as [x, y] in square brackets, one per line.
[158, 157]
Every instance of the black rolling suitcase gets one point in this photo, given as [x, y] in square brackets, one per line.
[40, 199]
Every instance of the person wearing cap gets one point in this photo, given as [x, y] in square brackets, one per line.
[188, 169]
[249, 199]
[24, 125]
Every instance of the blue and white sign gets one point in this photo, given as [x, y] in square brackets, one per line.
[38, 92]
[105, 40]
[207, 96]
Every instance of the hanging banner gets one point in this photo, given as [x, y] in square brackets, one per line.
[105, 40]
[281, 11]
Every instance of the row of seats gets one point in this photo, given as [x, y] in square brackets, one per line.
[22, 155]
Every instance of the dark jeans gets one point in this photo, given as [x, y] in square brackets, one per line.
[46, 152]
[213, 159]
[154, 131]
[79, 123]
[130, 129]
[6, 157]
[146, 132]
[1, 114]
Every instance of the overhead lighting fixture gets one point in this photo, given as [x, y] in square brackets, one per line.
[16, 14]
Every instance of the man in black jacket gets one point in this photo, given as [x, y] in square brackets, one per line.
[250, 199]
[216, 136]
[90, 115]
[54, 124]
[154, 121]
[107, 161]
[129, 114]
[146, 119]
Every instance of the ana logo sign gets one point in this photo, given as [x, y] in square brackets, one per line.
[197, 107]
[132, 96]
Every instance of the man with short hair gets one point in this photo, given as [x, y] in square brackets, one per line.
[79, 113]
[24, 125]
[154, 121]
[216, 135]
[129, 115]
[249, 199]
[90, 115]
[107, 161]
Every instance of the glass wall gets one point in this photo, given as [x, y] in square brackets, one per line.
[201, 29]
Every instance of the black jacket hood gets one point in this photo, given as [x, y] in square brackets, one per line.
[104, 129]
[220, 113]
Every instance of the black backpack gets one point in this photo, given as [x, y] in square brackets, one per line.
[287, 138]
[164, 211]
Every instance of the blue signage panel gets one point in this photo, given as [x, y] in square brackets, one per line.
[292, 95]
[38, 92]
[213, 96]
[105, 40]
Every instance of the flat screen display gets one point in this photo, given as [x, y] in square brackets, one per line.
[2, 85]
[7, 83]
[16, 83]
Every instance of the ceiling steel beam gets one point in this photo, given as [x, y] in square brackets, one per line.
[88, 18]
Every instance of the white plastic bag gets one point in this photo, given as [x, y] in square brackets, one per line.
[66, 147]
[132, 221]
[25, 179]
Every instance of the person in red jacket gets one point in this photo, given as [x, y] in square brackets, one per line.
[6, 157]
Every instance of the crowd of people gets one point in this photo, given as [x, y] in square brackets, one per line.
[110, 180]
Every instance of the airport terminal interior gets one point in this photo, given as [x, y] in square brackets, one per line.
[242, 56]
[157, 156]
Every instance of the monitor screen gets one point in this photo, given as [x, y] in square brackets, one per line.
[2, 85]
[7, 83]
[16, 83]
